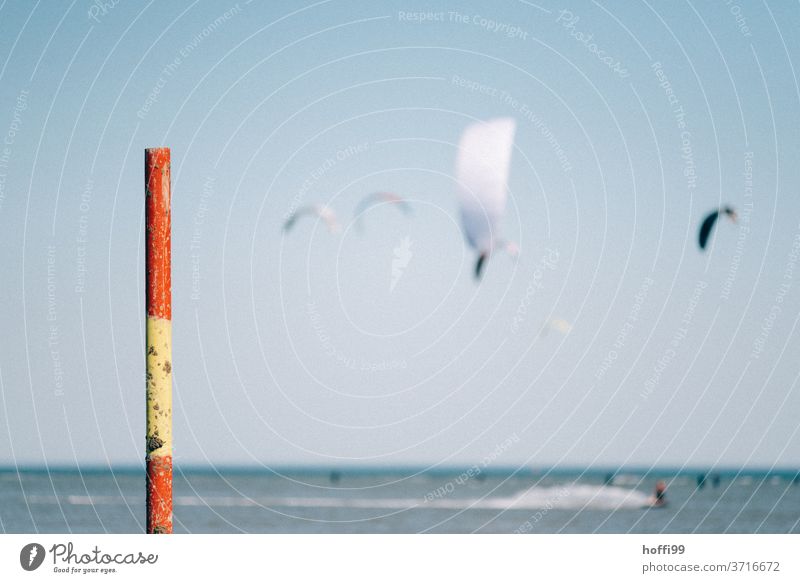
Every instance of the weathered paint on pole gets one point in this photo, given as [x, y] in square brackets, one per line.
[159, 340]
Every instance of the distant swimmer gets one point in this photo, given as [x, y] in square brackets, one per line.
[659, 497]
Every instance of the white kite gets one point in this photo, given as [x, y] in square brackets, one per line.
[482, 168]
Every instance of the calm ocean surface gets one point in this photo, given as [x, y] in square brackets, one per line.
[66, 501]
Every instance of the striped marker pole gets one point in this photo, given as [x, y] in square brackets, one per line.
[159, 340]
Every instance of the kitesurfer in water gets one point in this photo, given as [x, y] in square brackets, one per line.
[660, 495]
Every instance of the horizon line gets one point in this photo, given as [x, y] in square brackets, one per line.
[364, 469]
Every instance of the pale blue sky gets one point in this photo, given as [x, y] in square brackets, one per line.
[269, 107]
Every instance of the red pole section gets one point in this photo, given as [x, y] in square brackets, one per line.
[159, 340]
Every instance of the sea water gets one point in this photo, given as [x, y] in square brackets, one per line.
[324, 501]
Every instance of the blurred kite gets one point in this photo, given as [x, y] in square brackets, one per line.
[556, 325]
[319, 210]
[377, 198]
[710, 221]
[482, 166]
